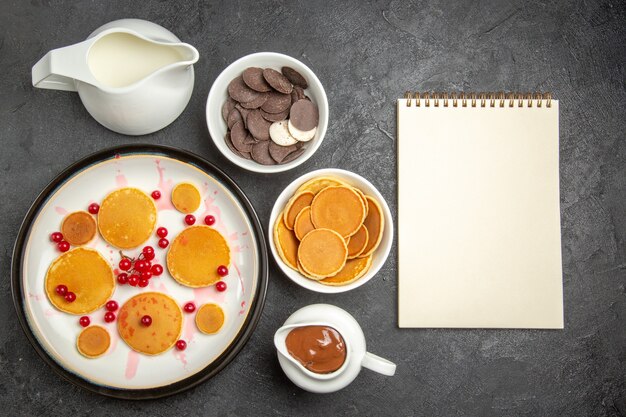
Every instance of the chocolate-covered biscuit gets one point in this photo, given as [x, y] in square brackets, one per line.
[261, 154]
[238, 137]
[228, 106]
[304, 115]
[279, 153]
[275, 117]
[294, 77]
[276, 102]
[253, 77]
[258, 126]
[277, 80]
[240, 92]
[233, 117]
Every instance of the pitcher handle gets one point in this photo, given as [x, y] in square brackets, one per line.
[378, 364]
[60, 68]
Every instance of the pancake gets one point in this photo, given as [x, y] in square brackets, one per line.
[322, 253]
[358, 242]
[316, 185]
[195, 254]
[79, 228]
[162, 334]
[294, 205]
[363, 199]
[303, 223]
[306, 274]
[127, 218]
[338, 208]
[286, 243]
[352, 271]
[186, 197]
[375, 224]
[93, 341]
[210, 318]
[85, 273]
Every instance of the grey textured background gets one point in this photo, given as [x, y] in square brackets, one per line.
[367, 55]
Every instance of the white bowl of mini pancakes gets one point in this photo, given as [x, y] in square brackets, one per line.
[219, 94]
[378, 256]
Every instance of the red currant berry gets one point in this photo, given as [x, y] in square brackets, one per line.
[122, 278]
[109, 316]
[148, 265]
[94, 208]
[143, 282]
[146, 275]
[56, 237]
[133, 280]
[70, 297]
[163, 243]
[156, 194]
[125, 264]
[111, 305]
[146, 320]
[140, 265]
[221, 286]
[190, 219]
[156, 270]
[148, 256]
[84, 321]
[209, 220]
[189, 307]
[147, 249]
[161, 232]
[63, 246]
[61, 289]
[181, 345]
[222, 271]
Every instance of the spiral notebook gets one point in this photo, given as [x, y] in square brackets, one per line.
[478, 211]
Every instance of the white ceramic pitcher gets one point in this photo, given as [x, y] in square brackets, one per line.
[133, 76]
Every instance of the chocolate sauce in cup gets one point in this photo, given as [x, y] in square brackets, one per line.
[320, 349]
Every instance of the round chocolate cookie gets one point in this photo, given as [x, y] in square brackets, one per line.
[261, 153]
[276, 102]
[304, 115]
[253, 77]
[240, 92]
[294, 77]
[258, 126]
[277, 80]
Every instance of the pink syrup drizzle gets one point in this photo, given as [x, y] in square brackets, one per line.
[121, 180]
[37, 297]
[60, 210]
[165, 187]
[181, 356]
[243, 308]
[50, 312]
[132, 363]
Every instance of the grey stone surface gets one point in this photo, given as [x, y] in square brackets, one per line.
[367, 55]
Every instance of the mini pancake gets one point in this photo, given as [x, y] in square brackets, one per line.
[195, 254]
[358, 242]
[127, 218]
[375, 224]
[338, 208]
[306, 274]
[79, 228]
[303, 223]
[186, 197]
[294, 205]
[353, 270]
[322, 253]
[286, 243]
[362, 195]
[210, 318]
[93, 341]
[162, 334]
[85, 273]
[316, 185]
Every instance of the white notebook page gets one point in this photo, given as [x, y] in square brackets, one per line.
[478, 217]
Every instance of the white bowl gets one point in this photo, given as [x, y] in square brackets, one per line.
[381, 253]
[218, 94]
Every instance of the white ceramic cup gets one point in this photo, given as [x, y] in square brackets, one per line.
[219, 93]
[380, 255]
[357, 356]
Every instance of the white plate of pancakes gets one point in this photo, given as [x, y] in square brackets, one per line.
[123, 371]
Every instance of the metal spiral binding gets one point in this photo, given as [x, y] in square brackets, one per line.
[499, 99]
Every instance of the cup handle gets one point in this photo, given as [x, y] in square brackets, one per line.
[378, 364]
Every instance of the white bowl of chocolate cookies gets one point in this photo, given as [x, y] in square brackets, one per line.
[267, 112]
